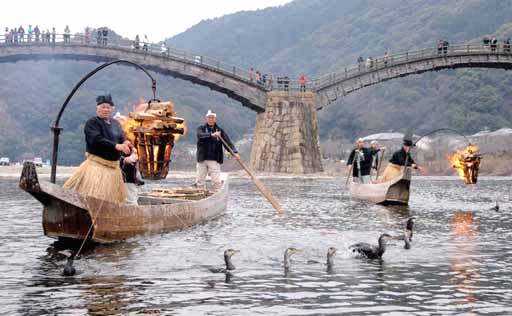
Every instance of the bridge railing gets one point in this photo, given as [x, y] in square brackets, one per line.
[141, 47]
[387, 61]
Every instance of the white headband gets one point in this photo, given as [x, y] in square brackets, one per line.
[210, 113]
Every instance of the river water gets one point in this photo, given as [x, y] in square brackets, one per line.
[460, 262]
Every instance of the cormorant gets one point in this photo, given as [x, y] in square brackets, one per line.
[366, 250]
[227, 259]
[408, 232]
[331, 252]
[287, 254]
[496, 207]
[69, 270]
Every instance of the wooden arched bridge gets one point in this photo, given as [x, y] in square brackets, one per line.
[331, 87]
[235, 82]
[286, 134]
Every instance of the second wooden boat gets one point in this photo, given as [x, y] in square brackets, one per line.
[68, 214]
[395, 191]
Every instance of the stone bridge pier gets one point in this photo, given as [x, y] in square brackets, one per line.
[286, 137]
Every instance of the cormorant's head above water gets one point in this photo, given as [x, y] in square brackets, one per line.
[331, 252]
[227, 258]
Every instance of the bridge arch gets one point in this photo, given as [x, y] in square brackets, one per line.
[333, 86]
[231, 81]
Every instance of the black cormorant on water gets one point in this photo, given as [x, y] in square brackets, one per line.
[227, 259]
[366, 250]
[408, 233]
[331, 252]
[287, 254]
[496, 207]
[69, 270]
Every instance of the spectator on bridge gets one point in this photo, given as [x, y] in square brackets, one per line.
[21, 33]
[286, 83]
[98, 36]
[29, 33]
[87, 34]
[369, 62]
[386, 59]
[67, 34]
[37, 32]
[258, 77]
[486, 41]
[445, 47]
[48, 34]
[43, 36]
[15, 35]
[136, 43]
[104, 36]
[145, 43]
[210, 152]
[360, 62]
[252, 74]
[6, 38]
[494, 43]
[506, 45]
[439, 47]
[54, 35]
[302, 80]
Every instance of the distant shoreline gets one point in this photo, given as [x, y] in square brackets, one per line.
[63, 172]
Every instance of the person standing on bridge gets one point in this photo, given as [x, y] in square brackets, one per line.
[104, 34]
[37, 32]
[29, 33]
[54, 35]
[67, 34]
[21, 33]
[302, 80]
[210, 152]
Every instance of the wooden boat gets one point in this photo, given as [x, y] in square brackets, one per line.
[68, 214]
[395, 191]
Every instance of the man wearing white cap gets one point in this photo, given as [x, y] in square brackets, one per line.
[361, 161]
[210, 154]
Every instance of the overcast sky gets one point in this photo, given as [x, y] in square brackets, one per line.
[158, 19]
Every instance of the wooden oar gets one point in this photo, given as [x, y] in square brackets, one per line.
[380, 163]
[350, 170]
[266, 193]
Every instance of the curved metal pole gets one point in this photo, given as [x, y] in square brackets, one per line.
[443, 129]
[57, 129]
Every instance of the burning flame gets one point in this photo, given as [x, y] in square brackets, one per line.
[153, 132]
[463, 160]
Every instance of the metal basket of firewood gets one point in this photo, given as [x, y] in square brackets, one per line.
[155, 131]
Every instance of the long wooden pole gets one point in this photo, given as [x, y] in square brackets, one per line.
[350, 170]
[380, 163]
[264, 191]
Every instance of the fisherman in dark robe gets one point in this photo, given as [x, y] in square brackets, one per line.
[99, 175]
[361, 161]
[400, 158]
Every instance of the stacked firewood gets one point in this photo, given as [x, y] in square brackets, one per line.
[186, 193]
[155, 131]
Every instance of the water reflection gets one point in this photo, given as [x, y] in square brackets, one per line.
[463, 263]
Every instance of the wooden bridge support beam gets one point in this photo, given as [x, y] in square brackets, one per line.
[286, 138]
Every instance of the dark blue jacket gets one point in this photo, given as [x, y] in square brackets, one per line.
[209, 147]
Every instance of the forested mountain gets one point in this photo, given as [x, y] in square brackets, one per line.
[305, 36]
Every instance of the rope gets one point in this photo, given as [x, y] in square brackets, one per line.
[90, 229]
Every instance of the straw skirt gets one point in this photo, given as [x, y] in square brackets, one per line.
[99, 178]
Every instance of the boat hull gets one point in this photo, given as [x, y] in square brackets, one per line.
[67, 214]
[395, 191]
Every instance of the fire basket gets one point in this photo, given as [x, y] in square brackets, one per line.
[153, 132]
[467, 163]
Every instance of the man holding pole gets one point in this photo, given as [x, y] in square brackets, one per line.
[210, 153]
